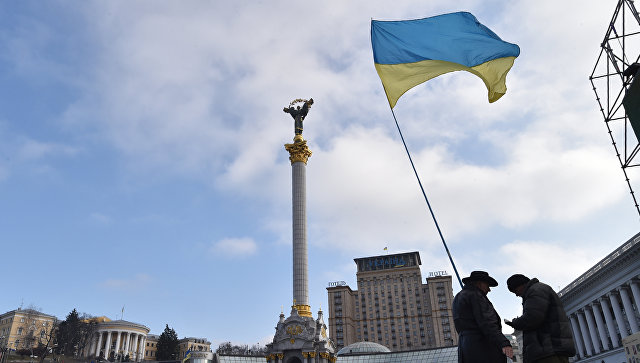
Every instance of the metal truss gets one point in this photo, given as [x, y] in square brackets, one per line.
[610, 79]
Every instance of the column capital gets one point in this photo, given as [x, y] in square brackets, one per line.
[298, 151]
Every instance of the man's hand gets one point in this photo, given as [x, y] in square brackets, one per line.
[508, 351]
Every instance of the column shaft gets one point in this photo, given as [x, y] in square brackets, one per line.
[585, 334]
[117, 351]
[622, 327]
[99, 344]
[577, 335]
[592, 330]
[125, 347]
[143, 339]
[107, 349]
[613, 335]
[628, 309]
[635, 291]
[300, 278]
[595, 308]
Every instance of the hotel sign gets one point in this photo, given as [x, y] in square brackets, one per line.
[438, 273]
[388, 262]
[337, 283]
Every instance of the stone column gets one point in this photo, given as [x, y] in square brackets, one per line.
[118, 334]
[592, 330]
[299, 154]
[99, 344]
[143, 339]
[628, 309]
[125, 346]
[134, 347]
[585, 335]
[595, 308]
[635, 290]
[305, 357]
[618, 314]
[312, 355]
[577, 335]
[107, 349]
[604, 303]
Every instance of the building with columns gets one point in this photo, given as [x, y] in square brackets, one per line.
[118, 337]
[602, 305]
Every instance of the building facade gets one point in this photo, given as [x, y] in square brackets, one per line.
[392, 306]
[193, 345]
[25, 329]
[151, 347]
[602, 305]
[118, 338]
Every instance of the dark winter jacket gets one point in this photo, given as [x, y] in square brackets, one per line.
[480, 337]
[545, 327]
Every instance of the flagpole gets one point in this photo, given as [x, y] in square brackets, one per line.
[426, 199]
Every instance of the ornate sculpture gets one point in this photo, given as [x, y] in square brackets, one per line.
[298, 113]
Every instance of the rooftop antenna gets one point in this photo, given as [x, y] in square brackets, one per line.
[616, 82]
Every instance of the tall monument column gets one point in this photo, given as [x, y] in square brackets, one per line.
[299, 154]
[299, 336]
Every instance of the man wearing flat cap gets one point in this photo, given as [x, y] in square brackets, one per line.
[546, 330]
[480, 338]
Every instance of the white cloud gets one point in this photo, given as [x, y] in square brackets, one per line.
[553, 262]
[234, 247]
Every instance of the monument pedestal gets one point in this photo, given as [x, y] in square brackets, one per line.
[301, 339]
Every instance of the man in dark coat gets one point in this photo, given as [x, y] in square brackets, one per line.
[480, 338]
[545, 327]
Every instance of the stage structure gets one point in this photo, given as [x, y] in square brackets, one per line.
[616, 82]
[300, 338]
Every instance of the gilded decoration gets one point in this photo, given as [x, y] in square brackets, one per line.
[298, 151]
[294, 330]
[303, 310]
[324, 355]
[280, 355]
[292, 340]
[312, 354]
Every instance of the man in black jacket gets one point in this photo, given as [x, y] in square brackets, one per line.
[480, 338]
[545, 327]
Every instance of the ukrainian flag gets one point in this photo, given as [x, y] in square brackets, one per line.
[187, 355]
[408, 53]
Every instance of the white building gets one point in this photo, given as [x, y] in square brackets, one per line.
[602, 305]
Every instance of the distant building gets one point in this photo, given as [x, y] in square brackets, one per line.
[117, 338]
[392, 306]
[151, 347]
[24, 329]
[193, 344]
[602, 305]
[515, 344]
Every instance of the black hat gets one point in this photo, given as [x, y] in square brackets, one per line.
[516, 280]
[480, 276]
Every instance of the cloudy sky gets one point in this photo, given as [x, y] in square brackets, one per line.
[142, 161]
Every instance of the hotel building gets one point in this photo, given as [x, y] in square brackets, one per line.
[392, 306]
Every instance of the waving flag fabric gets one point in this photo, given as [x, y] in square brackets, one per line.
[410, 52]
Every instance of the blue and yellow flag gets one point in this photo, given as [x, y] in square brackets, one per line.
[408, 53]
[187, 355]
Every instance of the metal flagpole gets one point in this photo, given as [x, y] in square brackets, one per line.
[426, 199]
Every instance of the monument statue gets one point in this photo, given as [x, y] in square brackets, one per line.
[298, 113]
